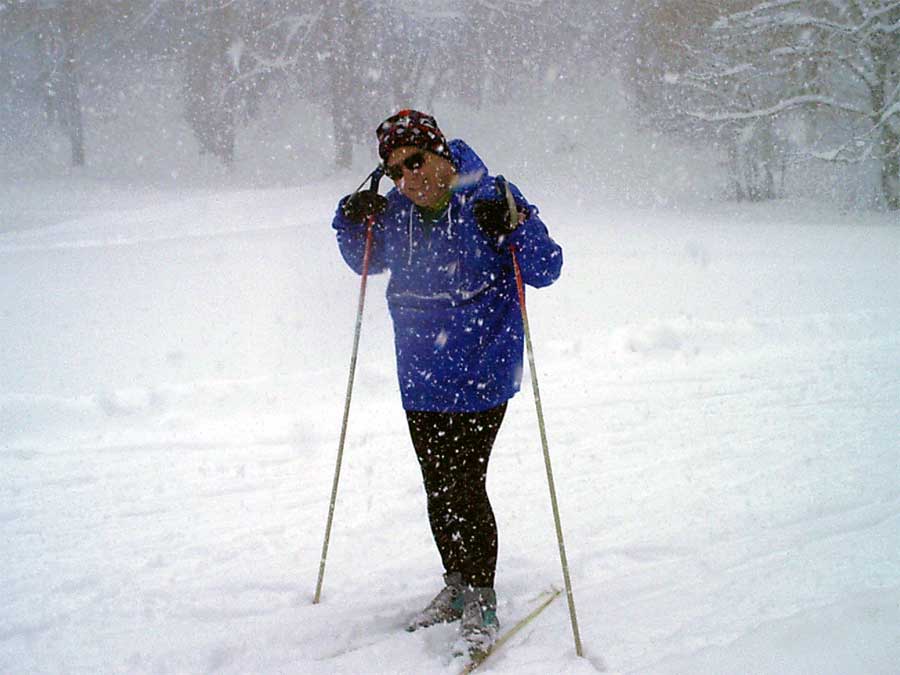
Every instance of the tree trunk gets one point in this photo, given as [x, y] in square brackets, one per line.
[734, 168]
[343, 27]
[884, 54]
[764, 144]
[210, 108]
[63, 101]
[890, 167]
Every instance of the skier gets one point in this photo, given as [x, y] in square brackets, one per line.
[444, 233]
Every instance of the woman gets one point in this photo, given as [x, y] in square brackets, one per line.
[445, 233]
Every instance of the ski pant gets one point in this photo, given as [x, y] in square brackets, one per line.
[453, 451]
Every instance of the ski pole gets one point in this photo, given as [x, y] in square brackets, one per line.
[375, 177]
[520, 286]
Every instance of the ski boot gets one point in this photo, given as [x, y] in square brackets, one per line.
[479, 627]
[445, 607]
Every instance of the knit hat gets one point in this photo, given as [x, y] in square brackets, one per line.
[411, 128]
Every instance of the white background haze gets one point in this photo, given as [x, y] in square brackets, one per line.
[721, 385]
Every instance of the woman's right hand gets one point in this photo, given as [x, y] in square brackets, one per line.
[362, 205]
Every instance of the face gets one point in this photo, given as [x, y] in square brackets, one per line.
[430, 183]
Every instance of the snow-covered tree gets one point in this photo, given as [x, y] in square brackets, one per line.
[50, 34]
[835, 62]
[233, 52]
[241, 53]
[678, 64]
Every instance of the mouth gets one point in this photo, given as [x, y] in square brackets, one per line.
[416, 189]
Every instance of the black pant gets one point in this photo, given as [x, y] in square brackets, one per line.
[453, 451]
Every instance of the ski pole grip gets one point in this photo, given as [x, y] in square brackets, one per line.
[503, 186]
[376, 177]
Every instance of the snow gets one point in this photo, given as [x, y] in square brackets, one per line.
[719, 382]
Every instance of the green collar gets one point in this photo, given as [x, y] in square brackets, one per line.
[437, 212]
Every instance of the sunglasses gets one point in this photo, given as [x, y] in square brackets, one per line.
[414, 162]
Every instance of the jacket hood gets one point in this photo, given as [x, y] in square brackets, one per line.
[469, 166]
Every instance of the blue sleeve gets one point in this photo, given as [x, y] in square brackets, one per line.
[351, 238]
[540, 258]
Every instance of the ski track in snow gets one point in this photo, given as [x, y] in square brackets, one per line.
[721, 391]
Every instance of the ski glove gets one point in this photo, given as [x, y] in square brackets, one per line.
[363, 204]
[492, 216]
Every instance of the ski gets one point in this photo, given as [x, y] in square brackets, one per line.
[476, 661]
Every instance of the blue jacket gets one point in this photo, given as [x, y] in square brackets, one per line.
[452, 295]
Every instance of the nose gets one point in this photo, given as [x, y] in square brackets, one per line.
[411, 175]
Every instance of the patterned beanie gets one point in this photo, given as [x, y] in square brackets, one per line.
[411, 128]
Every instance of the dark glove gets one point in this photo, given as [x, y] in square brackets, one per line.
[360, 205]
[492, 216]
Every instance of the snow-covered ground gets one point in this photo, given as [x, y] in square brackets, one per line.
[721, 385]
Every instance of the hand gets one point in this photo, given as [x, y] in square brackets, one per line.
[492, 216]
[363, 204]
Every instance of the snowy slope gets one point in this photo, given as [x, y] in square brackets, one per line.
[721, 387]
